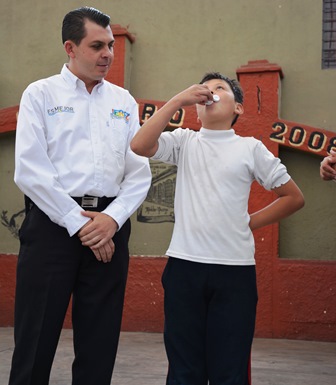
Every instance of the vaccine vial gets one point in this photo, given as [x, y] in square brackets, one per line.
[216, 99]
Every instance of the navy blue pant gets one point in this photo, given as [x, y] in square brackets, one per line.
[52, 266]
[210, 315]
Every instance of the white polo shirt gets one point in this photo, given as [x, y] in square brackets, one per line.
[215, 170]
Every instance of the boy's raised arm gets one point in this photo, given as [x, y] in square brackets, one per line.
[145, 142]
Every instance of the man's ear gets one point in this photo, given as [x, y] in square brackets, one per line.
[239, 110]
[68, 46]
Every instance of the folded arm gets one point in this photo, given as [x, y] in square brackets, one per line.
[289, 201]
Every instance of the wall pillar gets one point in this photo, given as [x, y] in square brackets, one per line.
[261, 82]
[119, 73]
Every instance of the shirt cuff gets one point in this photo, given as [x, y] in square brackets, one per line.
[74, 220]
[117, 212]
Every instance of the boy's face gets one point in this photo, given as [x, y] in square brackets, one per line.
[219, 115]
[93, 57]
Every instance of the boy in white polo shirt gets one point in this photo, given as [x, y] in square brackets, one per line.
[210, 280]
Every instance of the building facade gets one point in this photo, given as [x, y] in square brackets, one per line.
[282, 52]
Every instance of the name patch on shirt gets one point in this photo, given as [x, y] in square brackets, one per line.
[60, 109]
[120, 114]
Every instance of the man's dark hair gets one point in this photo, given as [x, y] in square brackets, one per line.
[73, 23]
[233, 83]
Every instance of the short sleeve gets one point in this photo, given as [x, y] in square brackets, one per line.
[269, 172]
[169, 146]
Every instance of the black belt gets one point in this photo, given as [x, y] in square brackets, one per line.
[87, 202]
[90, 202]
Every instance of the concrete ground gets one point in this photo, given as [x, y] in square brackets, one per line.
[141, 361]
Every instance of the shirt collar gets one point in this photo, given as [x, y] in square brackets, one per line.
[74, 81]
[217, 134]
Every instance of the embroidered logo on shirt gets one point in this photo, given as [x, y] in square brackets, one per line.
[120, 114]
[60, 109]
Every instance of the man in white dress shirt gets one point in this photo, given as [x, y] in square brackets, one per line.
[81, 183]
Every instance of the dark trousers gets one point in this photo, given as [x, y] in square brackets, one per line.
[210, 315]
[51, 267]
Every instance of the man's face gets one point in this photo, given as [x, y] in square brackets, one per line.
[91, 60]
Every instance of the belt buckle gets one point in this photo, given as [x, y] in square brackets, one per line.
[89, 202]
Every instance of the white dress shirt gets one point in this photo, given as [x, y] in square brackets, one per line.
[215, 170]
[72, 143]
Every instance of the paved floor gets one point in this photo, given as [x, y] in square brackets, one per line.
[142, 361]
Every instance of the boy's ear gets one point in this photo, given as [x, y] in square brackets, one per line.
[239, 110]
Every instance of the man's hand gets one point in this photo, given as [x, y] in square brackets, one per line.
[327, 171]
[98, 233]
[105, 253]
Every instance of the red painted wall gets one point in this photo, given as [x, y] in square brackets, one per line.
[296, 299]
[7, 289]
[143, 310]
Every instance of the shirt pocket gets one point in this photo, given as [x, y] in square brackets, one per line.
[117, 133]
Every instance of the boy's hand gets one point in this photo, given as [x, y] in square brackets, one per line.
[196, 94]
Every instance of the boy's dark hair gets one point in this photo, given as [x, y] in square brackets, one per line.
[73, 23]
[233, 83]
